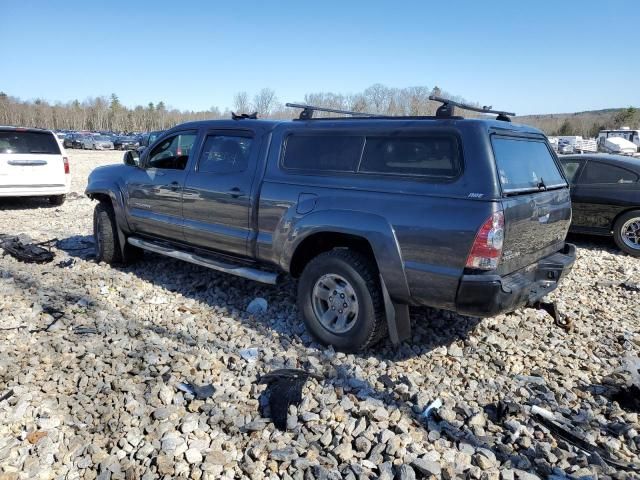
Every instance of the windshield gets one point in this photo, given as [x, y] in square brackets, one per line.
[103, 138]
[525, 164]
[14, 141]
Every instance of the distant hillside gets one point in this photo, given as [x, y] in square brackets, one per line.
[587, 124]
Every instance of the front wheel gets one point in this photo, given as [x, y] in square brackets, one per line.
[340, 300]
[626, 233]
[105, 233]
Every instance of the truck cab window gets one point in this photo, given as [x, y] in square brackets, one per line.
[173, 152]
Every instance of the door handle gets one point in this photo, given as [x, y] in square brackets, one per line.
[174, 186]
[235, 192]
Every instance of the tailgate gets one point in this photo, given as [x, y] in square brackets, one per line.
[536, 203]
[25, 170]
[536, 225]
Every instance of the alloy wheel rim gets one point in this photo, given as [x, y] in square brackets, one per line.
[630, 233]
[335, 303]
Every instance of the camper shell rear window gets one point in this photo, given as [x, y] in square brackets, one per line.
[525, 164]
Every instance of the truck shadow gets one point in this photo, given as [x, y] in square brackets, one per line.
[431, 328]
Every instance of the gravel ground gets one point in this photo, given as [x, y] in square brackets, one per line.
[94, 394]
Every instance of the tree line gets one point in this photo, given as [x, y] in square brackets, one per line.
[109, 114]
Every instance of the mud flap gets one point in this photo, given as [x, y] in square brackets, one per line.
[122, 240]
[398, 322]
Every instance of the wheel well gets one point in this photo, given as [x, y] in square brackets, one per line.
[101, 197]
[615, 219]
[318, 243]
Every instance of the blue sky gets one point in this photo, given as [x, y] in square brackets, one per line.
[529, 57]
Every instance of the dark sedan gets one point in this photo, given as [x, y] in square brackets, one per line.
[68, 140]
[126, 143]
[605, 195]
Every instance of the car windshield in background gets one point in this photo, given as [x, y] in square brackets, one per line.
[525, 165]
[13, 141]
[103, 138]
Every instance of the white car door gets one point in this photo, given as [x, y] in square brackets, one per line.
[32, 162]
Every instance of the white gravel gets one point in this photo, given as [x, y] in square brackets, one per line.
[96, 394]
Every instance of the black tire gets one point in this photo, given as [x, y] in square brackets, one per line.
[618, 234]
[57, 200]
[105, 233]
[370, 324]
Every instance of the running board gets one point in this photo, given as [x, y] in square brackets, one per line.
[246, 272]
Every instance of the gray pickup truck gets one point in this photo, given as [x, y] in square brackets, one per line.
[372, 214]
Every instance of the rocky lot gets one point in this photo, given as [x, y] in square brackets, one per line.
[93, 357]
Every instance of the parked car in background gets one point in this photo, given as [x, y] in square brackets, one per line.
[126, 143]
[359, 209]
[564, 146]
[68, 140]
[148, 138]
[605, 193]
[33, 163]
[95, 142]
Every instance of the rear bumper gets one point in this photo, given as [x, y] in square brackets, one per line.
[488, 295]
[33, 190]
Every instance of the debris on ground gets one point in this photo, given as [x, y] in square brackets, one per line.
[433, 406]
[257, 305]
[199, 392]
[22, 248]
[53, 312]
[35, 436]
[8, 394]
[564, 429]
[628, 396]
[68, 263]
[84, 330]
[284, 388]
[250, 354]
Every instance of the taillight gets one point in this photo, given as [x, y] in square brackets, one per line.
[65, 160]
[487, 247]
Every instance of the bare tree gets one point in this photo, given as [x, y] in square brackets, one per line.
[241, 102]
[264, 101]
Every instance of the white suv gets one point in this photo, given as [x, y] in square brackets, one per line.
[33, 163]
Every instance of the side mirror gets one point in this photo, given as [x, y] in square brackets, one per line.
[131, 158]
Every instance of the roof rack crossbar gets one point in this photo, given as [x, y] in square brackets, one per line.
[446, 109]
[307, 111]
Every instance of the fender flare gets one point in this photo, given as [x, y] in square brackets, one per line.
[382, 238]
[117, 202]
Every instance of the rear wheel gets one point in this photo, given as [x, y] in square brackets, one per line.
[105, 233]
[57, 199]
[340, 300]
[626, 233]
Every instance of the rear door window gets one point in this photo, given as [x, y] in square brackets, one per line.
[433, 156]
[43, 143]
[525, 165]
[225, 154]
[318, 153]
[596, 172]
